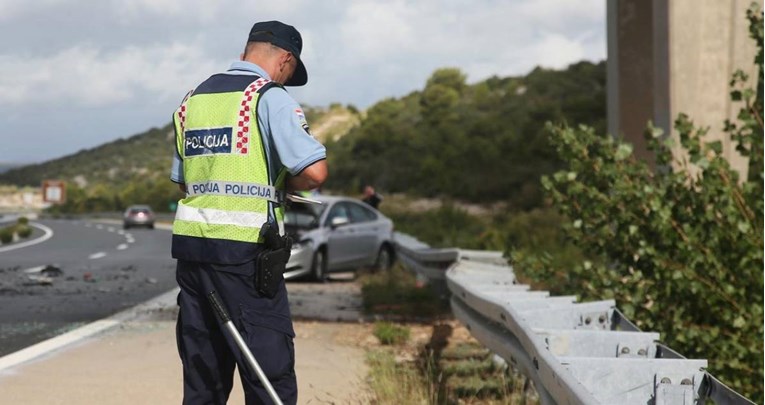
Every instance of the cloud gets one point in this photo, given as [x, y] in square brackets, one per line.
[556, 51]
[87, 76]
[373, 33]
[382, 48]
[137, 58]
[133, 11]
[10, 9]
[389, 49]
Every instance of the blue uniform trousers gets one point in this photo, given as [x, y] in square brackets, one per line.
[209, 355]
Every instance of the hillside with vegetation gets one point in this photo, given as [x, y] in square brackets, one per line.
[139, 157]
[482, 142]
[111, 176]
[333, 122]
[4, 167]
[136, 169]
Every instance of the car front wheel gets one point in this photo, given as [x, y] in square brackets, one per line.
[384, 258]
[319, 266]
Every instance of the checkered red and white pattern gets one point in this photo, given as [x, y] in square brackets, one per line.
[242, 141]
[182, 110]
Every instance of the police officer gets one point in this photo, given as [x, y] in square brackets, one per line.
[241, 141]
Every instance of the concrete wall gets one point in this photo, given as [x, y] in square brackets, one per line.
[671, 56]
[630, 68]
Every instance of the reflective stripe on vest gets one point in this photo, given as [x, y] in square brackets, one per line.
[211, 216]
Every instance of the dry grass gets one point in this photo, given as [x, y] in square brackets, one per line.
[395, 382]
[432, 358]
[394, 294]
[448, 368]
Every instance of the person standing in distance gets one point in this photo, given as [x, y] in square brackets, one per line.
[371, 197]
[241, 142]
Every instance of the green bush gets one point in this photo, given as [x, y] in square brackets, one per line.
[391, 334]
[6, 235]
[535, 233]
[395, 293]
[23, 220]
[446, 226]
[23, 231]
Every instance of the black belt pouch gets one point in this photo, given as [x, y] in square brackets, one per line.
[269, 272]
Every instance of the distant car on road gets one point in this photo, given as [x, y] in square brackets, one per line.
[138, 215]
[339, 235]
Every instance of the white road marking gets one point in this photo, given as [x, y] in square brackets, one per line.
[99, 226]
[55, 343]
[110, 229]
[121, 232]
[48, 234]
[166, 300]
[122, 246]
[97, 255]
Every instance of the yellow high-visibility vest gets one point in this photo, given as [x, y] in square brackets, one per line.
[230, 192]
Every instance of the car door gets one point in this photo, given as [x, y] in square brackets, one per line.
[340, 239]
[365, 228]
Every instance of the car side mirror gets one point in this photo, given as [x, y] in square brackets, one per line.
[339, 221]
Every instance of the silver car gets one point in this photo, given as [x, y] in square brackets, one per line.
[340, 234]
[138, 215]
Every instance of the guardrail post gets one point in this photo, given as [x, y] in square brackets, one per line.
[668, 392]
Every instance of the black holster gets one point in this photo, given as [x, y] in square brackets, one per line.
[271, 261]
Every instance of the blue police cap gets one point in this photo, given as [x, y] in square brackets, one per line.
[286, 37]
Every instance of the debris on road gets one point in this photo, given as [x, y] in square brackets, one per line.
[39, 280]
[42, 275]
[46, 270]
[52, 271]
[34, 270]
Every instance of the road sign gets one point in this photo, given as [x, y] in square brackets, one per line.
[54, 191]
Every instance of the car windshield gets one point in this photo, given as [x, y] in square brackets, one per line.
[135, 211]
[303, 216]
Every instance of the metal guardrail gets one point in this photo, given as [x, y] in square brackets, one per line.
[574, 352]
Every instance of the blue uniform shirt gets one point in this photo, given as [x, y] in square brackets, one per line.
[282, 126]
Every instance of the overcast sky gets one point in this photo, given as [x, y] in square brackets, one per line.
[76, 74]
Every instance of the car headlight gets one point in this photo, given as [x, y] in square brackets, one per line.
[302, 244]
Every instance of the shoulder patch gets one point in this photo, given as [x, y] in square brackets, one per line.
[302, 120]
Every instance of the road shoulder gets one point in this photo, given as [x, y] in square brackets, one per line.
[137, 362]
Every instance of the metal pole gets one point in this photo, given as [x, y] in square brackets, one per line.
[226, 320]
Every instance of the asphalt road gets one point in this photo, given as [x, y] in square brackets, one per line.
[103, 270]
